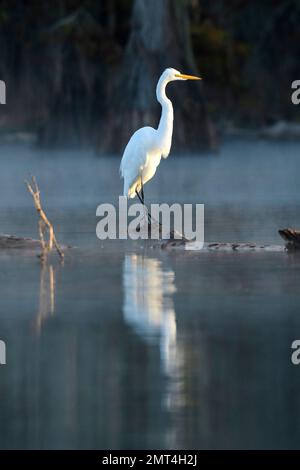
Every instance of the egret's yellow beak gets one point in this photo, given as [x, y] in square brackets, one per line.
[187, 77]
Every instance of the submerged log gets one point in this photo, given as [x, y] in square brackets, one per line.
[13, 242]
[291, 237]
[221, 247]
[175, 239]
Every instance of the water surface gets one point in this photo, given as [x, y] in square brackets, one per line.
[125, 346]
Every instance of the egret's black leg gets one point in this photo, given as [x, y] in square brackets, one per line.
[139, 196]
[142, 200]
[142, 193]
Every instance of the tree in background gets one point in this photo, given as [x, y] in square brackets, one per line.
[84, 71]
[159, 38]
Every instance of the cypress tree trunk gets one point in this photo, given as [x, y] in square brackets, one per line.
[159, 39]
[75, 84]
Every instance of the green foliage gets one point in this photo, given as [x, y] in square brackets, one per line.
[247, 53]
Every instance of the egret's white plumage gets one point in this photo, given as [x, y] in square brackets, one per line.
[144, 150]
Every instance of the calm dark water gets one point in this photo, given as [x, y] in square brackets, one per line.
[125, 346]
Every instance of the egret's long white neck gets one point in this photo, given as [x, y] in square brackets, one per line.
[165, 128]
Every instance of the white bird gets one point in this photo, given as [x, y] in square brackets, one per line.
[147, 145]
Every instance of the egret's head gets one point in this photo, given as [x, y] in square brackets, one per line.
[173, 74]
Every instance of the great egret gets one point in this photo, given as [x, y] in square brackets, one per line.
[144, 150]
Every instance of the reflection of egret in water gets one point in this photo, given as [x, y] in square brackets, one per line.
[148, 308]
[47, 296]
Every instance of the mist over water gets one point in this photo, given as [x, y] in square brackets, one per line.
[249, 189]
[130, 347]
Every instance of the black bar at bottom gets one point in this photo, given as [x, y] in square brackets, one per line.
[134, 459]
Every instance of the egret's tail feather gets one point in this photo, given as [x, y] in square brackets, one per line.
[129, 191]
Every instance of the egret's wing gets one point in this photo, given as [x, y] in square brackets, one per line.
[136, 154]
[133, 161]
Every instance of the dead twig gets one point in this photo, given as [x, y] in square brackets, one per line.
[44, 222]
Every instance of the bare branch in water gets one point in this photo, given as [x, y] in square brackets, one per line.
[44, 223]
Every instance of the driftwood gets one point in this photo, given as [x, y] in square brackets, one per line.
[44, 223]
[13, 242]
[221, 247]
[29, 244]
[290, 236]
